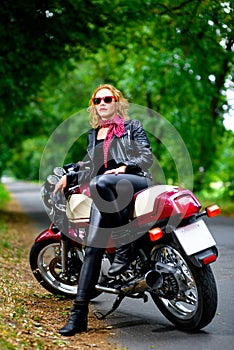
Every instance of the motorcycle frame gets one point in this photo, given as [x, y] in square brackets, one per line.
[199, 259]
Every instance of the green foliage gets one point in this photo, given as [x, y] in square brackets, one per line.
[4, 196]
[173, 57]
[25, 163]
[222, 170]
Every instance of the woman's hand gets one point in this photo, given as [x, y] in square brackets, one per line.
[61, 184]
[119, 170]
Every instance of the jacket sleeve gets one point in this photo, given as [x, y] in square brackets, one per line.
[138, 149]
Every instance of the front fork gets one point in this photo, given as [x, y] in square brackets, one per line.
[65, 247]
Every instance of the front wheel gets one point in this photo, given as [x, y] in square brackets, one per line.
[191, 302]
[45, 262]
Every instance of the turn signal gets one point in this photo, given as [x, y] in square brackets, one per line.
[155, 234]
[212, 210]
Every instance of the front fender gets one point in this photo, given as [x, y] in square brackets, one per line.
[49, 233]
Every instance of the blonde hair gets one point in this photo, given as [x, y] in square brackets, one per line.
[121, 105]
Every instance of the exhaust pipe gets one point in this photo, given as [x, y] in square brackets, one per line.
[151, 280]
[104, 289]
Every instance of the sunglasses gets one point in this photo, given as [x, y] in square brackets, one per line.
[106, 99]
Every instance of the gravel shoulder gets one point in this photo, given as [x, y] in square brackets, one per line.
[29, 316]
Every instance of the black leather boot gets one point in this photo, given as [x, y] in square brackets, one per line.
[78, 321]
[123, 257]
[124, 251]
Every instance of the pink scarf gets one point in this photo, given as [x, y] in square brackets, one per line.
[116, 127]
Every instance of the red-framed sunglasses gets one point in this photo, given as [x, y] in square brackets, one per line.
[106, 99]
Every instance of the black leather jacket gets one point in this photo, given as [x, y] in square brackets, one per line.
[131, 149]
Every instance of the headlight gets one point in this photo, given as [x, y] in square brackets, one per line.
[46, 197]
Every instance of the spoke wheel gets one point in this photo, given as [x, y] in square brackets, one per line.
[189, 297]
[45, 261]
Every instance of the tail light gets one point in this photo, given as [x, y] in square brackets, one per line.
[187, 204]
[212, 210]
[209, 259]
[155, 234]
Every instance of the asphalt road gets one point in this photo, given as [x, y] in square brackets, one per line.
[140, 326]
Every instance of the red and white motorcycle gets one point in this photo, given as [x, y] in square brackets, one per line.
[174, 251]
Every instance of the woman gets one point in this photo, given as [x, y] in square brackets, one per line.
[119, 156]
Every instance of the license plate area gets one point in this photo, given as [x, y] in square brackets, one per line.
[195, 237]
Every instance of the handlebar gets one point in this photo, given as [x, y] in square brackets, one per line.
[58, 200]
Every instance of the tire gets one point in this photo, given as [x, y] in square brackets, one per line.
[45, 262]
[194, 304]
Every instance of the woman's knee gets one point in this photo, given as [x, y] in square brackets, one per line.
[98, 183]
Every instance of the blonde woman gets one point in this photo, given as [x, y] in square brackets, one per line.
[119, 156]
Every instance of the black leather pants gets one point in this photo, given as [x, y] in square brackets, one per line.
[112, 201]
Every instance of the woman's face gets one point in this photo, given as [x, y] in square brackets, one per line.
[104, 109]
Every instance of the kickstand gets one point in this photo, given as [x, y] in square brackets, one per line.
[100, 316]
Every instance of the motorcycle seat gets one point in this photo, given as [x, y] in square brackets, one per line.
[79, 205]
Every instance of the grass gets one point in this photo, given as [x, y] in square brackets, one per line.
[4, 196]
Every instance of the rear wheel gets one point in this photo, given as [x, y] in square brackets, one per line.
[190, 300]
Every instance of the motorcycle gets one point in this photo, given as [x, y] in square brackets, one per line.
[173, 252]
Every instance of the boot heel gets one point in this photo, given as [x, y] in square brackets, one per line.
[78, 321]
[71, 329]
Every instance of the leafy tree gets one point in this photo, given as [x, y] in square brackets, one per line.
[178, 65]
[36, 38]
[174, 57]
[222, 169]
